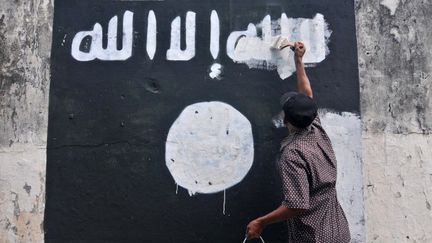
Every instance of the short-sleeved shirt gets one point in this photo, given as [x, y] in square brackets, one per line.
[307, 166]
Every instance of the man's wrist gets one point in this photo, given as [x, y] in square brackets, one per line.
[262, 221]
[298, 60]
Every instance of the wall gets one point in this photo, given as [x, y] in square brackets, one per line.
[395, 62]
[25, 43]
[145, 133]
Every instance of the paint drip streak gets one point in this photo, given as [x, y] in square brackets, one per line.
[224, 203]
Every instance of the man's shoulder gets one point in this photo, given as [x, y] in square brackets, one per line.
[291, 152]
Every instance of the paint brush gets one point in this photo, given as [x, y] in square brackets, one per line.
[281, 42]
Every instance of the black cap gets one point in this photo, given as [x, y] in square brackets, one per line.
[300, 110]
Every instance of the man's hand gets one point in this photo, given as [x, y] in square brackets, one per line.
[254, 229]
[299, 50]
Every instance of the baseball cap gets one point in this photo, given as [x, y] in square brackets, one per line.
[299, 109]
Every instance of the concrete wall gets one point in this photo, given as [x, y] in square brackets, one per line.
[394, 40]
[25, 43]
[395, 61]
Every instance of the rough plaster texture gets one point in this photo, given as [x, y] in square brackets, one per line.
[395, 74]
[395, 65]
[25, 43]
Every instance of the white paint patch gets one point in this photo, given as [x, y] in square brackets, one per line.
[175, 53]
[151, 35]
[391, 5]
[344, 131]
[235, 36]
[96, 50]
[246, 47]
[278, 120]
[209, 147]
[215, 71]
[64, 40]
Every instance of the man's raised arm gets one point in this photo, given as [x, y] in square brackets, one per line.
[303, 84]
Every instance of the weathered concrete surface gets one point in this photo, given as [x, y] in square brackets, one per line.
[395, 61]
[25, 42]
[395, 64]
[398, 191]
[22, 194]
[394, 40]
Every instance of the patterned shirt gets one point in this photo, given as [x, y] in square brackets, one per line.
[307, 167]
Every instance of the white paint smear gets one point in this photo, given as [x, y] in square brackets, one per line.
[247, 47]
[209, 147]
[96, 50]
[344, 131]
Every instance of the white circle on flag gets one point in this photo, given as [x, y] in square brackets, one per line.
[209, 147]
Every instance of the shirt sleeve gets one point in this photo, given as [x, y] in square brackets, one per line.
[295, 184]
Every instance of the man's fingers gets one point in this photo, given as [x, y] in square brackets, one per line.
[250, 234]
[298, 44]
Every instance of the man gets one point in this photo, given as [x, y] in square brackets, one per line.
[307, 166]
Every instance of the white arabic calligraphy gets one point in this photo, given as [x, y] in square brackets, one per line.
[111, 52]
[151, 35]
[174, 53]
[244, 46]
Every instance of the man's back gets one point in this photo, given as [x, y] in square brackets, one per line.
[308, 172]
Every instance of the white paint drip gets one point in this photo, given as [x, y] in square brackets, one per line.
[151, 35]
[96, 50]
[224, 203]
[175, 53]
[64, 40]
[215, 71]
[214, 34]
[391, 5]
[209, 147]
[177, 188]
[246, 47]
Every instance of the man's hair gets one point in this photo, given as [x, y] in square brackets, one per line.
[299, 110]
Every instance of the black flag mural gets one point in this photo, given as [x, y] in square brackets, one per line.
[163, 121]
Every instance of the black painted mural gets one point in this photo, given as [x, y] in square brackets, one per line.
[113, 101]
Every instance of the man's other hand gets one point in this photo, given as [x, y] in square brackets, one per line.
[254, 229]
